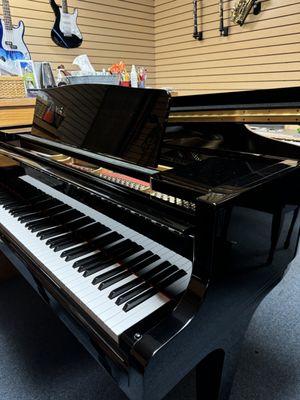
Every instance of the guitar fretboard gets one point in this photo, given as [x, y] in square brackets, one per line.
[64, 6]
[7, 15]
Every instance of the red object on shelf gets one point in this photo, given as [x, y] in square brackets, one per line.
[125, 83]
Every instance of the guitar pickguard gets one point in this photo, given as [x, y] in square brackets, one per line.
[65, 32]
[12, 46]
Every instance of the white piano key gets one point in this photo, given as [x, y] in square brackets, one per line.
[110, 316]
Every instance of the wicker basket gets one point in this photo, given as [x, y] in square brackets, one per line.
[11, 87]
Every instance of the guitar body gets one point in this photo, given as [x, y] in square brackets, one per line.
[12, 46]
[65, 32]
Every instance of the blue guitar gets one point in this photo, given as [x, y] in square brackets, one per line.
[12, 46]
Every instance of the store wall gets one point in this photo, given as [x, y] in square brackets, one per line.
[264, 53]
[113, 30]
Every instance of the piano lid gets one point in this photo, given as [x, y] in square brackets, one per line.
[253, 106]
[116, 121]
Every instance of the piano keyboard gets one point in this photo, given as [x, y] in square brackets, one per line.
[117, 275]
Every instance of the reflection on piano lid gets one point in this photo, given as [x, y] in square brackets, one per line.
[117, 121]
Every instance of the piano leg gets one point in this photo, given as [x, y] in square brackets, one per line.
[209, 375]
[277, 222]
[291, 229]
[215, 374]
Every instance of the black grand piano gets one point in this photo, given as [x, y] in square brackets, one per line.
[152, 226]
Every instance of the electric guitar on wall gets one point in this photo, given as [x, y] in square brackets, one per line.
[65, 32]
[12, 46]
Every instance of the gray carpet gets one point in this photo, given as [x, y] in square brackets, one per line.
[40, 359]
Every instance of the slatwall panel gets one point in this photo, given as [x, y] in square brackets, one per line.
[113, 30]
[264, 53]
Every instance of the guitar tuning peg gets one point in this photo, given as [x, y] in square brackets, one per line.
[257, 7]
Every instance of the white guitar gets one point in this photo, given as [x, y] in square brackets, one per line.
[65, 32]
[12, 46]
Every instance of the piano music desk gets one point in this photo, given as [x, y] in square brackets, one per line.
[16, 112]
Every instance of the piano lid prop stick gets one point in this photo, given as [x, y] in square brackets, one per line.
[196, 35]
[223, 29]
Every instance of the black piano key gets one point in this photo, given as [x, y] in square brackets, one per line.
[147, 276]
[30, 217]
[105, 258]
[92, 231]
[8, 198]
[140, 299]
[78, 223]
[90, 260]
[132, 293]
[163, 274]
[90, 246]
[122, 249]
[57, 209]
[111, 278]
[22, 211]
[65, 245]
[180, 273]
[4, 194]
[157, 269]
[100, 261]
[96, 267]
[107, 263]
[114, 279]
[130, 262]
[107, 274]
[154, 290]
[67, 215]
[119, 274]
[34, 199]
[6, 204]
[118, 248]
[52, 232]
[39, 224]
[19, 208]
[46, 204]
[9, 204]
[93, 260]
[78, 251]
[57, 240]
[76, 228]
[137, 267]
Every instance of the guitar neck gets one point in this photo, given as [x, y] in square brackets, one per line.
[64, 5]
[6, 15]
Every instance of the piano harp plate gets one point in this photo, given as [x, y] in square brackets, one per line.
[247, 115]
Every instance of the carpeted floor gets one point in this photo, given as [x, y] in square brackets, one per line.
[40, 359]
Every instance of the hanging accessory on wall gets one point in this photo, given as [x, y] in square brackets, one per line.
[12, 46]
[223, 29]
[242, 8]
[65, 32]
[198, 35]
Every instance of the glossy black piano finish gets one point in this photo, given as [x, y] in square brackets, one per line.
[118, 121]
[232, 211]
